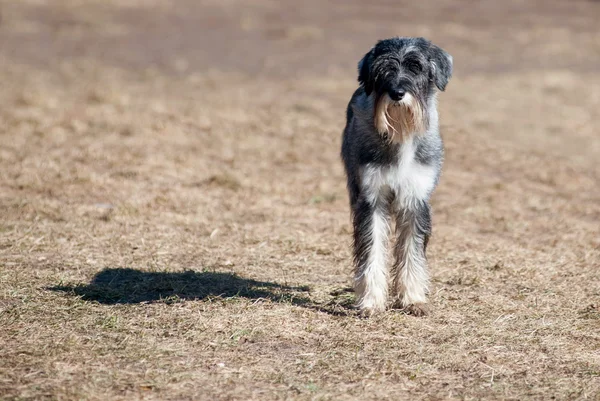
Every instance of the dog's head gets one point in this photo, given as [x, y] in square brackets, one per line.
[403, 75]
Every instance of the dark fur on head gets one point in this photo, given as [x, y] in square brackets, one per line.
[390, 56]
[403, 65]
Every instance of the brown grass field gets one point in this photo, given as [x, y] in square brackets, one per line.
[174, 222]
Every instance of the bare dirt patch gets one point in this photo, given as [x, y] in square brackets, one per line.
[174, 221]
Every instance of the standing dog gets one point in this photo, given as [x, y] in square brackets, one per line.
[392, 152]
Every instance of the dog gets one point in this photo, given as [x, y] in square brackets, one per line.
[392, 153]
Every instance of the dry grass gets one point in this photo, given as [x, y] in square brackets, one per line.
[182, 232]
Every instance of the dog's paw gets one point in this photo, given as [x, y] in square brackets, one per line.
[371, 307]
[417, 309]
[371, 303]
[370, 311]
[414, 308]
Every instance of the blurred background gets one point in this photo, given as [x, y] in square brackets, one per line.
[165, 136]
[289, 39]
[534, 40]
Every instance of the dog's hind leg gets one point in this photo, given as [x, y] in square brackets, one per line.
[411, 278]
[371, 231]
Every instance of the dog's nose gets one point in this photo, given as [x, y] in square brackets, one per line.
[397, 94]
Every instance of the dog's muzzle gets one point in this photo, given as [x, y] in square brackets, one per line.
[398, 114]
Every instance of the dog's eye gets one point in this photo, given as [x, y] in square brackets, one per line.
[414, 67]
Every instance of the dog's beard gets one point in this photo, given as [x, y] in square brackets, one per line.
[396, 121]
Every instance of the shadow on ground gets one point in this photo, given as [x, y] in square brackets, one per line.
[130, 286]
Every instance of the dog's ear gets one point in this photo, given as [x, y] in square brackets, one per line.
[441, 66]
[364, 72]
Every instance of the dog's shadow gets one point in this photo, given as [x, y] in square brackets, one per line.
[130, 286]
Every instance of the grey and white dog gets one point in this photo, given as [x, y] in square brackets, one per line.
[392, 152]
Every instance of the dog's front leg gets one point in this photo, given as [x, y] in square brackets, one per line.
[411, 278]
[371, 230]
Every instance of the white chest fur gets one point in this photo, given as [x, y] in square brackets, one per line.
[410, 180]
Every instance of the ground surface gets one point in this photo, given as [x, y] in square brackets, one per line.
[174, 222]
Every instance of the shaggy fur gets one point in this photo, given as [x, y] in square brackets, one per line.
[392, 153]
